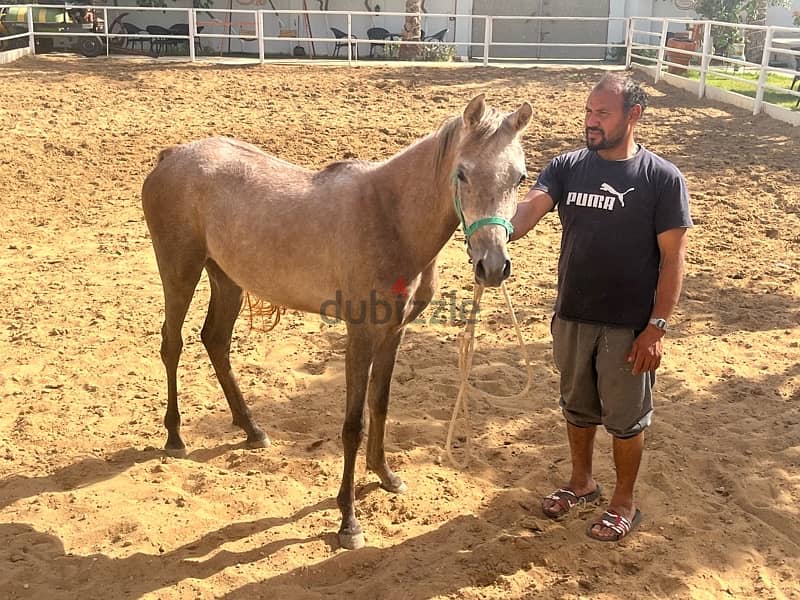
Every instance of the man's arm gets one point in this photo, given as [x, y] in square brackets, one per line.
[530, 211]
[646, 350]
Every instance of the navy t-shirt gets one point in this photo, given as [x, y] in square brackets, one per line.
[611, 213]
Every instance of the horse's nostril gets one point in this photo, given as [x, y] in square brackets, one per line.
[480, 271]
[507, 270]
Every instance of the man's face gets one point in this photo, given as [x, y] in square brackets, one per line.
[606, 124]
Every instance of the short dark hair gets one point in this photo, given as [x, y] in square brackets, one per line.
[630, 89]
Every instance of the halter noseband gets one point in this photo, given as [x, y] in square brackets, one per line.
[468, 231]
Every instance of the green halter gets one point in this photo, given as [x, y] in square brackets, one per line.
[468, 231]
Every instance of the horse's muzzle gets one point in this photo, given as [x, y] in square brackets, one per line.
[491, 273]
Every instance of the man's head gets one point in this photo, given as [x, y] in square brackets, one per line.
[612, 111]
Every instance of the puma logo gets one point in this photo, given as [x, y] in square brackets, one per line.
[607, 188]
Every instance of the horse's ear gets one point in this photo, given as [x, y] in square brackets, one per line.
[519, 119]
[473, 113]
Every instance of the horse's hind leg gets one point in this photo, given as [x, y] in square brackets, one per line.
[226, 302]
[179, 278]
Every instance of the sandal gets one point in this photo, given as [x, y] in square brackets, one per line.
[620, 525]
[565, 499]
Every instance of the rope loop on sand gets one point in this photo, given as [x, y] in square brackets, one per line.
[466, 353]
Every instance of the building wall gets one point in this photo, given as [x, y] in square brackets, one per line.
[545, 31]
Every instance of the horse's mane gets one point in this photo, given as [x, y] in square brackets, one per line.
[339, 165]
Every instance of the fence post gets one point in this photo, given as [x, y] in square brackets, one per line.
[628, 42]
[662, 45]
[705, 61]
[762, 77]
[31, 36]
[487, 39]
[192, 32]
[106, 32]
[260, 33]
[349, 37]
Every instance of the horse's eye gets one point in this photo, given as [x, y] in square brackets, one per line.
[522, 178]
[461, 177]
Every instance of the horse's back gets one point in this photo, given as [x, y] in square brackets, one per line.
[246, 209]
[219, 159]
[213, 174]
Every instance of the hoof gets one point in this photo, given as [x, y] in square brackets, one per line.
[263, 442]
[175, 452]
[399, 487]
[351, 541]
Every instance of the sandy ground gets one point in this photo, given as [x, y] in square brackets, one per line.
[91, 508]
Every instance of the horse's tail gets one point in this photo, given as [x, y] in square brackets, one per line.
[153, 188]
[165, 153]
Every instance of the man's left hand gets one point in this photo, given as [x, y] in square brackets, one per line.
[646, 351]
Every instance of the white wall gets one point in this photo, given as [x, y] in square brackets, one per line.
[616, 29]
[646, 8]
[782, 16]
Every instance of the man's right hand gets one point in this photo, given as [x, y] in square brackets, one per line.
[646, 350]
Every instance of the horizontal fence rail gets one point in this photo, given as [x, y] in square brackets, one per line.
[678, 49]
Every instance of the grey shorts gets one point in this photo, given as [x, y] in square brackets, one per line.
[597, 387]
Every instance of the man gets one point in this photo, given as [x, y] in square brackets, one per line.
[624, 213]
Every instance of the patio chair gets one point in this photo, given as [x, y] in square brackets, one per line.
[436, 37]
[341, 35]
[379, 33]
[158, 44]
[183, 29]
[131, 29]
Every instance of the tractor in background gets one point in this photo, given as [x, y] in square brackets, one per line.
[59, 18]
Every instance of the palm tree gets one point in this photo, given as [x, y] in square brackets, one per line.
[754, 39]
[411, 30]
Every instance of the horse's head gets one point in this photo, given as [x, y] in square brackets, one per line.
[488, 171]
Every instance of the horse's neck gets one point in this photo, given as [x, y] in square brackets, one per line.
[423, 193]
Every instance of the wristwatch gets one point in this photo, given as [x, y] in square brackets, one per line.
[660, 323]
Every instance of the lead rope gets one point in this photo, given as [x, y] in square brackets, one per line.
[465, 354]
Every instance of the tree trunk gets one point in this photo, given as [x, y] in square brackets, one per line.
[754, 39]
[411, 30]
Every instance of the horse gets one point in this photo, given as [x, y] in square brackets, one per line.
[351, 233]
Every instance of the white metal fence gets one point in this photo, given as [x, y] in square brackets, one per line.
[267, 36]
[698, 60]
[644, 41]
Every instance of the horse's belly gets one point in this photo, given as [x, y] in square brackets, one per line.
[278, 273]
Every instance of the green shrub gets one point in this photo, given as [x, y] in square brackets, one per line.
[438, 52]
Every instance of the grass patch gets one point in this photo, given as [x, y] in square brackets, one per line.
[713, 77]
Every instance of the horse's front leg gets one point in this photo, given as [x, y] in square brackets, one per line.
[358, 360]
[379, 384]
[381, 379]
